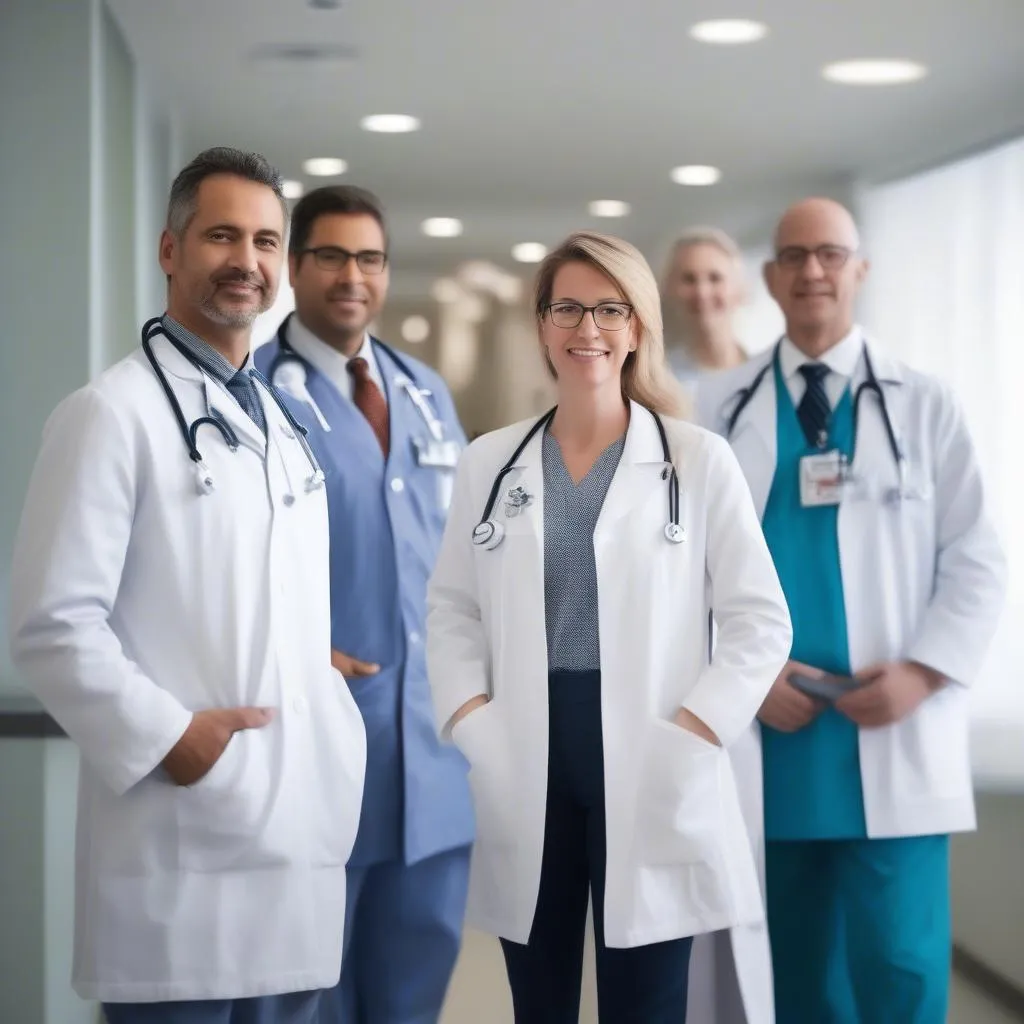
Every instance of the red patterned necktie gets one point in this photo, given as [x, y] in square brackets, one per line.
[370, 401]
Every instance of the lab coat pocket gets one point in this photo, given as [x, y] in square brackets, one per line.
[479, 737]
[224, 819]
[679, 805]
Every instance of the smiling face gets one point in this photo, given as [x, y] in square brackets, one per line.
[705, 283]
[224, 267]
[590, 355]
[816, 273]
[335, 297]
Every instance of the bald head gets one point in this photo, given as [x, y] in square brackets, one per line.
[816, 273]
[823, 221]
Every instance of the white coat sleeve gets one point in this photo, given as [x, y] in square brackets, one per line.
[970, 570]
[458, 651]
[754, 629]
[66, 569]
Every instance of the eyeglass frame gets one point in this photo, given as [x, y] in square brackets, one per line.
[805, 254]
[592, 310]
[348, 255]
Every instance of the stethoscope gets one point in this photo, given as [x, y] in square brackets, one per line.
[204, 478]
[489, 533]
[871, 383]
[288, 371]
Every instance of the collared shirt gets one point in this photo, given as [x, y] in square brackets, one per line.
[841, 359]
[220, 369]
[329, 361]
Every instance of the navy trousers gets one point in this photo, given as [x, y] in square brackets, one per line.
[643, 985]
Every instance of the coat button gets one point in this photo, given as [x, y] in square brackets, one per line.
[398, 485]
[414, 637]
[299, 705]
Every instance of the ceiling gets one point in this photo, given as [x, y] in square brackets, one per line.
[531, 109]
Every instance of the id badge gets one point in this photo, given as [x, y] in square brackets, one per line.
[437, 454]
[821, 479]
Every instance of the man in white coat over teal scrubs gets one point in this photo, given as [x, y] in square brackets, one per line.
[873, 508]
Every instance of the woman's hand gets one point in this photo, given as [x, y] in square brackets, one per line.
[691, 723]
[467, 709]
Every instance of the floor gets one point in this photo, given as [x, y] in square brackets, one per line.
[479, 992]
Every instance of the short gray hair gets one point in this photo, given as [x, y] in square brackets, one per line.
[181, 206]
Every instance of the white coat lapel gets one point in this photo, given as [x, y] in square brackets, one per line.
[640, 471]
[754, 438]
[217, 400]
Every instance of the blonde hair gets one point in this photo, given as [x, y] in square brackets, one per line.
[646, 378]
[705, 236]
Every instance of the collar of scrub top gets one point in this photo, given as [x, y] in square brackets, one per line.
[641, 466]
[330, 362]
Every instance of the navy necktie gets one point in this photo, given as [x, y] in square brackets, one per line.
[814, 410]
[244, 391]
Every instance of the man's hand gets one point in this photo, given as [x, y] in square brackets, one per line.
[206, 738]
[467, 709]
[691, 723]
[352, 668]
[893, 691]
[786, 708]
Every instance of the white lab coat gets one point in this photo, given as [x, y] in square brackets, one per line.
[135, 601]
[923, 580]
[679, 861]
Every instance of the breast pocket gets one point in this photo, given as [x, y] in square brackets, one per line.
[679, 804]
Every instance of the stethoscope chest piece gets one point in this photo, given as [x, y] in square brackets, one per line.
[675, 533]
[488, 534]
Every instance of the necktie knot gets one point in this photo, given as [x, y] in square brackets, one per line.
[814, 373]
[359, 368]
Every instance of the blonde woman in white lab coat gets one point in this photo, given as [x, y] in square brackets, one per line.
[568, 650]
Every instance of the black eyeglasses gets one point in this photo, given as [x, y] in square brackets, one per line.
[608, 316]
[829, 257]
[334, 258]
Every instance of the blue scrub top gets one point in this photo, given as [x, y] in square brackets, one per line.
[812, 783]
[386, 520]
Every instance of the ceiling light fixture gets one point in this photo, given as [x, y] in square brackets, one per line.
[873, 72]
[442, 227]
[728, 31]
[325, 166]
[608, 208]
[696, 174]
[292, 189]
[390, 124]
[529, 252]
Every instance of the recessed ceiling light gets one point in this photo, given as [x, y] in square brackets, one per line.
[729, 31]
[325, 166]
[529, 252]
[608, 208]
[873, 72]
[292, 189]
[392, 124]
[442, 227]
[696, 174]
[415, 329]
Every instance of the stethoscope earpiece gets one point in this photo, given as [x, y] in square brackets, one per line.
[488, 534]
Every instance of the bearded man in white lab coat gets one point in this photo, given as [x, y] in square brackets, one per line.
[873, 507]
[170, 608]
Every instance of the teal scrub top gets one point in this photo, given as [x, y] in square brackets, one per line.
[812, 784]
